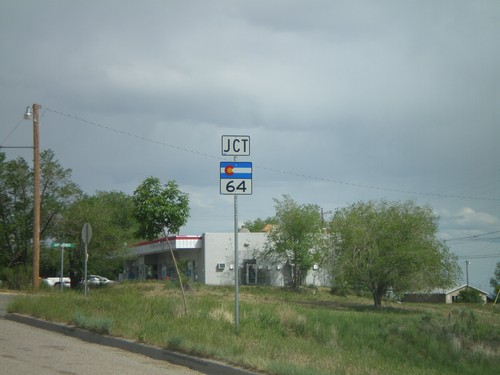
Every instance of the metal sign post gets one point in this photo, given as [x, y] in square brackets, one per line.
[86, 237]
[61, 281]
[236, 179]
[236, 267]
[62, 246]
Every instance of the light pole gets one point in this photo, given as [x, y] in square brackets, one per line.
[28, 115]
[467, 271]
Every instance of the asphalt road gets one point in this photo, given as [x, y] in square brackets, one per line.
[28, 350]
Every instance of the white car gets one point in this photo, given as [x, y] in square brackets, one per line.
[99, 280]
[56, 282]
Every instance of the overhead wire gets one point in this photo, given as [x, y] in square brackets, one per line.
[275, 170]
[485, 256]
[11, 132]
[485, 182]
[475, 236]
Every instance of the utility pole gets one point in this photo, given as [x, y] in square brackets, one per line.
[323, 213]
[36, 192]
[28, 115]
[36, 198]
[467, 271]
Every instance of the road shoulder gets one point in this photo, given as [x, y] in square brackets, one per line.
[205, 366]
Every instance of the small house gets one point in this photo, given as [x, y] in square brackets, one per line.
[441, 295]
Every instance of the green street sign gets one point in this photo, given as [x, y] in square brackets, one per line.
[63, 245]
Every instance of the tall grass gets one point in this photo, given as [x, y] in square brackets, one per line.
[283, 332]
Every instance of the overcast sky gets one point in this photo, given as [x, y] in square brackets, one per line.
[344, 101]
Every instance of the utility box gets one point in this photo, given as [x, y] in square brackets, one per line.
[221, 266]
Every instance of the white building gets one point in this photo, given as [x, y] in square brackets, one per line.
[209, 259]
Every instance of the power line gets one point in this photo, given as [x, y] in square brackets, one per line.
[485, 256]
[275, 170]
[11, 132]
[475, 237]
[128, 134]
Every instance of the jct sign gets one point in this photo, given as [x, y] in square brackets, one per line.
[235, 145]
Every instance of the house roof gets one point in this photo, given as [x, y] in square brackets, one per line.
[449, 291]
[466, 286]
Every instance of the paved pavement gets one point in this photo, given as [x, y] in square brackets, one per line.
[28, 350]
[29, 345]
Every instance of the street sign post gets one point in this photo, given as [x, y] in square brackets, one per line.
[63, 246]
[86, 237]
[86, 233]
[236, 179]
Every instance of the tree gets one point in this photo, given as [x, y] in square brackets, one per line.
[57, 191]
[296, 239]
[16, 212]
[469, 295]
[111, 215]
[258, 225]
[390, 245]
[16, 205]
[160, 209]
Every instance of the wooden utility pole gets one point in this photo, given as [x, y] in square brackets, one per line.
[36, 199]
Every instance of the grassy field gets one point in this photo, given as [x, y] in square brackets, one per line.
[285, 332]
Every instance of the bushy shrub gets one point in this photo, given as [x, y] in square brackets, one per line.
[18, 277]
[469, 295]
[340, 287]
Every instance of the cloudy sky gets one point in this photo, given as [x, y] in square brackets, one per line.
[344, 101]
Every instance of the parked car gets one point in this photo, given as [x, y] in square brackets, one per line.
[56, 282]
[99, 280]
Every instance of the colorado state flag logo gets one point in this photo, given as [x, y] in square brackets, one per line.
[235, 170]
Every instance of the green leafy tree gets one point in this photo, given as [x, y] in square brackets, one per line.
[469, 295]
[296, 239]
[161, 208]
[390, 246]
[258, 225]
[111, 215]
[16, 212]
[57, 192]
[16, 205]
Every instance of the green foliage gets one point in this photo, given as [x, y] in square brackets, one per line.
[16, 212]
[57, 191]
[113, 226]
[258, 225]
[158, 207]
[63, 212]
[340, 287]
[17, 277]
[16, 205]
[469, 295]
[296, 239]
[390, 245]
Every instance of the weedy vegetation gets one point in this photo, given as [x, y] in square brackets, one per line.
[285, 332]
